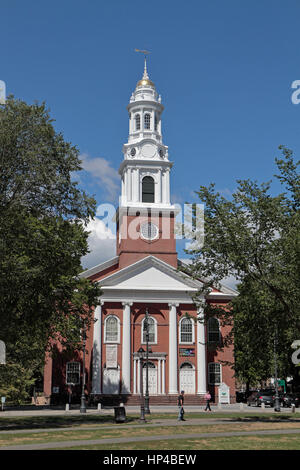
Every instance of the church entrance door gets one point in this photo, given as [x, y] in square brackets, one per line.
[187, 378]
[152, 378]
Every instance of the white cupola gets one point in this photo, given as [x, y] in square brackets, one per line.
[146, 166]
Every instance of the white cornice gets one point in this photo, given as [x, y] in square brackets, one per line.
[142, 296]
[188, 284]
[225, 292]
[100, 267]
[144, 207]
[144, 163]
[145, 103]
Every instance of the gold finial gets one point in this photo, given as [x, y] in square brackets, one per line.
[145, 80]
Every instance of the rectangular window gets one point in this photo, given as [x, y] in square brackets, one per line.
[214, 373]
[147, 121]
[151, 331]
[213, 330]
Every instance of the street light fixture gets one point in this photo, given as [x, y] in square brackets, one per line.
[146, 325]
[277, 403]
[141, 356]
[83, 401]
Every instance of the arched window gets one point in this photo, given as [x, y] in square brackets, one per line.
[147, 118]
[148, 189]
[112, 329]
[150, 365]
[213, 330]
[214, 373]
[186, 330]
[186, 365]
[137, 122]
[152, 328]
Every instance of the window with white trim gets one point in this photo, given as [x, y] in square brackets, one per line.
[186, 331]
[72, 373]
[147, 119]
[137, 122]
[213, 327]
[112, 329]
[214, 373]
[152, 328]
[148, 191]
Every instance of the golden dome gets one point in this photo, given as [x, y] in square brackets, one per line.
[145, 82]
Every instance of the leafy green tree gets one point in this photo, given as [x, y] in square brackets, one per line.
[255, 237]
[260, 330]
[43, 215]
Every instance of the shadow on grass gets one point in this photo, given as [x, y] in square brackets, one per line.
[52, 422]
[274, 418]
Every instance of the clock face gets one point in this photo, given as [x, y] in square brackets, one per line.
[149, 231]
[148, 150]
[132, 152]
[161, 153]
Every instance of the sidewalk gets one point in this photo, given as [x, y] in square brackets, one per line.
[234, 408]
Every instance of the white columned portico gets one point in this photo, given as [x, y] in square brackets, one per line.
[96, 378]
[201, 355]
[173, 363]
[126, 352]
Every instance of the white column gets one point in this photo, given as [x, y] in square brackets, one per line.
[163, 187]
[173, 381]
[159, 187]
[168, 186]
[159, 377]
[201, 354]
[125, 185]
[139, 376]
[134, 376]
[163, 377]
[96, 378]
[129, 185]
[122, 189]
[126, 352]
[135, 185]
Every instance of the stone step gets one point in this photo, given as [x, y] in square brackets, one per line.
[135, 400]
[167, 400]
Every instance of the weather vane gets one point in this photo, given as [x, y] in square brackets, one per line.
[145, 54]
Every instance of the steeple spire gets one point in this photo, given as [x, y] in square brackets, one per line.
[145, 81]
[145, 76]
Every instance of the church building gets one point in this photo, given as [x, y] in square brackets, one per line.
[142, 283]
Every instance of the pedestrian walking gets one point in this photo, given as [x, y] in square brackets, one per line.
[207, 398]
[180, 406]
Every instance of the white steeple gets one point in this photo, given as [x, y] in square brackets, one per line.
[145, 155]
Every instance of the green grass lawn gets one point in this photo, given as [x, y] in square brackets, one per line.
[255, 442]
[104, 427]
[58, 421]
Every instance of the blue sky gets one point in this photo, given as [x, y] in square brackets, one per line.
[224, 70]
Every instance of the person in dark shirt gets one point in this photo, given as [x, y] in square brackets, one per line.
[180, 406]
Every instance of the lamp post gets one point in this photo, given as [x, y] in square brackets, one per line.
[83, 401]
[146, 324]
[141, 356]
[276, 404]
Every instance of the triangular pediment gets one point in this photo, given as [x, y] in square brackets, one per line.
[150, 273]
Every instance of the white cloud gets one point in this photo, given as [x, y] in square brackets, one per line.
[103, 175]
[102, 244]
